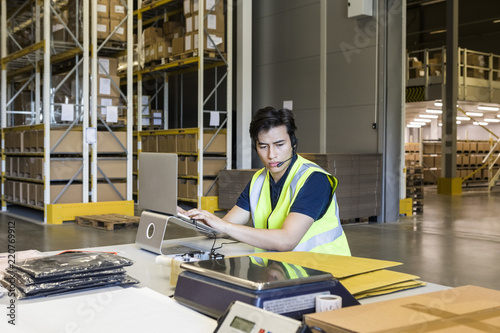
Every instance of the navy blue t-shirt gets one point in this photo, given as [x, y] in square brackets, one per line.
[312, 199]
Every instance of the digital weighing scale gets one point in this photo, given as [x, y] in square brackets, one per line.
[210, 286]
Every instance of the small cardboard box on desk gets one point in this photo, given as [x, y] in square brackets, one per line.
[461, 309]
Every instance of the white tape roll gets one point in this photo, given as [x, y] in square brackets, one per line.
[328, 303]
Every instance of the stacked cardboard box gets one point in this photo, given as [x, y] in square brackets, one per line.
[213, 25]
[231, 184]
[110, 13]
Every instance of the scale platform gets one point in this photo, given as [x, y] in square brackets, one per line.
[210, 286]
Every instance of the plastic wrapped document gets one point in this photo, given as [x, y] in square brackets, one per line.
[66, 272]
[71, 263]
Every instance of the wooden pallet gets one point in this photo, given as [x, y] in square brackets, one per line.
[108, 221]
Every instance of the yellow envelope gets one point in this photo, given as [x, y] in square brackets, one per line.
[372, 280]
[338, 266]
[390, 289]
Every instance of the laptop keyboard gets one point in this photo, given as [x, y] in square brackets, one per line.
[199, 226]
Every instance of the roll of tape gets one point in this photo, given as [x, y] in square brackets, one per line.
[328, 303]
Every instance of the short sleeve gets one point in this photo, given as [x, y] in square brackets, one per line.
[244, 198]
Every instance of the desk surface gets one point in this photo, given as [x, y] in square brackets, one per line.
[129, 309]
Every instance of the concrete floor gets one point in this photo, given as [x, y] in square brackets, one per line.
[455, 242]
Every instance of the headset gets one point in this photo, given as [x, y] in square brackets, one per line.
[294, 142]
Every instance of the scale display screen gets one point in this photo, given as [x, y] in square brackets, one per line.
[242, 324]
[256, 273]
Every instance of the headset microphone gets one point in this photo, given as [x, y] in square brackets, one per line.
[281, 163]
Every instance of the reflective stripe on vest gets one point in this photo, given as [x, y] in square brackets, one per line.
[255, 193]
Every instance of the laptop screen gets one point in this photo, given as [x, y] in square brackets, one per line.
[158, 182]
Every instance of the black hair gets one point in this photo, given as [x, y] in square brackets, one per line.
[268, 117]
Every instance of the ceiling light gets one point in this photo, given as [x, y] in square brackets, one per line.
[474, 114]
[482, 123]
[430, 116]
[417, 123]
[496, 21]
[459, 122]
[433, 111]
[440, 124]
[438, 103]
[414, 126]
[463, 118]
[488, 108]
[422, 120]
[491, 120]
[437, 32]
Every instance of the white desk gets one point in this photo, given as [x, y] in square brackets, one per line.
[143, 307]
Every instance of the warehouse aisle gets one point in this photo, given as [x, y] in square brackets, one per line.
[455, 242]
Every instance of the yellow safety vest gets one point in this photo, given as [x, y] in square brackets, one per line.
[325, 235]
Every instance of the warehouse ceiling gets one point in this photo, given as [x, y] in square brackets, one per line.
[479, 30]
[479, 24]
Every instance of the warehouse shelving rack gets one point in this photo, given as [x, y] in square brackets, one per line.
[199, 61]
[36, 63]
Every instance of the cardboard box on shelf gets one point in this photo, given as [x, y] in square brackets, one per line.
[117, 10]
[25, 192]
[17, 191]
[454, 310]
[212, 6]
[192, 166]
[112, 167]
[210, 188]
[177, 46]
[72, 194]
[103, 28]
[108, 86]
[212, 41]
[72, 142]
[8, 165]
[167, 143]
[188, 42]
[164, 48]
[40, 195]
[8, 190]
[171, 28]
[107, 65]
[151, 34]
[182, 188]
[103, 8]
[212, 165]
[120, 35]
[65, 169]
[182, 166]
[214, 23]
[218, 145]
[231, 184]
[106, 142]
[192, 188]
[106, 192]
[32, 191]
[36, 168]
[59, 32]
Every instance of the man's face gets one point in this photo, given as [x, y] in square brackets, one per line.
[273, 147]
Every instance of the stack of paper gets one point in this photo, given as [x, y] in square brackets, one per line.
[361, 276]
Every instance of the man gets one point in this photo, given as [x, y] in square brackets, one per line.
[291, 200]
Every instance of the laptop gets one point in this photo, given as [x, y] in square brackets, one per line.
[158, 199]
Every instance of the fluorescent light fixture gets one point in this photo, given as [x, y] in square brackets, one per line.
[496, 21]
[414, 126]
[433, 111]
[463, 118]
[482, 123]
[498, 115]
[438, 103]
[417, 123]
[492, 120]
[437, 32]
[459, 122]
[429, 116]
[474, 114]
[422, 120]
[440, 124]
[488, 108]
